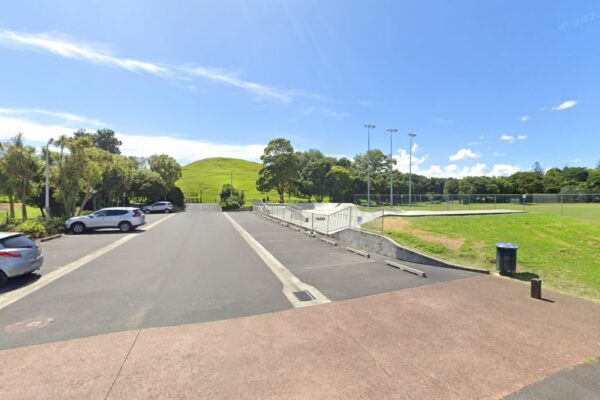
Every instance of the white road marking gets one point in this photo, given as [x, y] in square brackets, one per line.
[16, 295]
[290, 282]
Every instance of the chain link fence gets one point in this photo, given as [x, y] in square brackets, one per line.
[563, 204]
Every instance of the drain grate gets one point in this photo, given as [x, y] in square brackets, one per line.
[304, 296]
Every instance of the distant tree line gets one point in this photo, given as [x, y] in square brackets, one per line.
[313, 175]
[87, 171]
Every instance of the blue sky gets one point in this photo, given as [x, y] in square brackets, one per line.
[488, 87]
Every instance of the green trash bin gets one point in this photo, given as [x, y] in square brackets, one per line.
[506, 258]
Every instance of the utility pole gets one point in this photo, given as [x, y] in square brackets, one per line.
[47, 202]
[411, 135]
[369, 127]
[391, 131]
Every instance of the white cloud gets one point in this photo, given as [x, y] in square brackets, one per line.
[183, 150]
[64, 46]
[465, 154]
[496, 154]
[565, 105]
[524, 118]
[479, 169]
[503, 170]
[62, 116]
[403, 160]
[521, 137]
[507, 138]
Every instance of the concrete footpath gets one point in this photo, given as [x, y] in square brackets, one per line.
[474, 338]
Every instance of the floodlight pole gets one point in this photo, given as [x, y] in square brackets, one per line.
[47, 197]
[391, 131]
[411, 135]
[369, 127]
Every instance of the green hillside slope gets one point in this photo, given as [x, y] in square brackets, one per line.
[208, 175]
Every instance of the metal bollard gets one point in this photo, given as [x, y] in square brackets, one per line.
[536, 288]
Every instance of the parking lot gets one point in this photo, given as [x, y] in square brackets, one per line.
[335, 271]
[191, 289]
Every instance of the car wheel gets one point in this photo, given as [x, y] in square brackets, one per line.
[3, 278]
[78, 228]
[166, 211]
[147, 211]
[125, 227]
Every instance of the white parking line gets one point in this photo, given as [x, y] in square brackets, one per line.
[16, 295]
[290, 282]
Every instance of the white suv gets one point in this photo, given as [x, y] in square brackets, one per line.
[162, 206]
[125, 219]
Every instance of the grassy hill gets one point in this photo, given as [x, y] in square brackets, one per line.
[208, 175]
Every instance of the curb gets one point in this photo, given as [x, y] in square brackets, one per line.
[48, 238]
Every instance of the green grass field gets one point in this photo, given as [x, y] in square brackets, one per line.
[209, 175]
[563, 250]
[32, 212]
[583, 211]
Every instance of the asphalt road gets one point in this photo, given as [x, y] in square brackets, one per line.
[193, 267]
[182, 268]
[336, 272]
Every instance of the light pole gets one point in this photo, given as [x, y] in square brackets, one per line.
[411, 135]
[47, 179]
[391, 131]
[369, 127]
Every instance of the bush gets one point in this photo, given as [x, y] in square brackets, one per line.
[32, 228]
[176, 197]
[55, 225]
[35, 228]
[230, 203]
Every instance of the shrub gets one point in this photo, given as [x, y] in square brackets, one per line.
[230, 203]
[32, 228]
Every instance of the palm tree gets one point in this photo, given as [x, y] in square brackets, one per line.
[20, 167]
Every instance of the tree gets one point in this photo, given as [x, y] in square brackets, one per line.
[553, 180]
[147, 186]
[168, 169]
[7, 185]
[344, 162]
[339, 184]
[279, 168]
[21, 167]
[593, 180]
[451, 186]
[231, 197]
[379, 172]
[103, 139]
[116, 181]
[537, 168]
[527, 182]
[78, 170]
[313, 167]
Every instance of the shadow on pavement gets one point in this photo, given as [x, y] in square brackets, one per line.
[19, 282]
[105, 232]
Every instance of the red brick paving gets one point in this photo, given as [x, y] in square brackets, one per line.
[475, 338]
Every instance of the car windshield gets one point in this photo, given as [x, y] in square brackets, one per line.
[16, 242]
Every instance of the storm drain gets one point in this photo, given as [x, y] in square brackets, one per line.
[304, 296]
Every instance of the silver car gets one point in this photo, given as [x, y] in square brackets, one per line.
[125, 219]
[18, 256]
[162, 206]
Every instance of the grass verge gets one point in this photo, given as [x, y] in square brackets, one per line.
[563, 251]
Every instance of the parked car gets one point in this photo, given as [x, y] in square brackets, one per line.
[125, 219]
[18, 256]
[161, 206]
